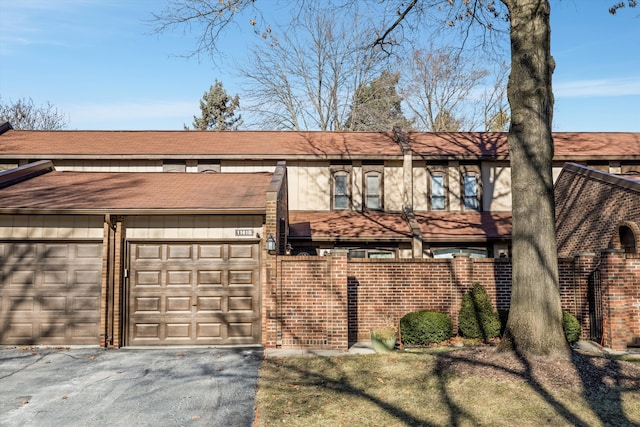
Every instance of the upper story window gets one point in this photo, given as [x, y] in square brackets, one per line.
[340, 191]
[437, 192]
[373, 193]
[174, 166]
[471, 193]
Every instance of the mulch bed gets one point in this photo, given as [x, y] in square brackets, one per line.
[582, 371]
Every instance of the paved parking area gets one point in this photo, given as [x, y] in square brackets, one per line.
[128, 387]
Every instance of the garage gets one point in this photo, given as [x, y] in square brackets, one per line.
[135, 259]
[50, 292]
[194, 293]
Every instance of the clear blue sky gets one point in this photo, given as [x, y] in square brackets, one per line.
[98, 61]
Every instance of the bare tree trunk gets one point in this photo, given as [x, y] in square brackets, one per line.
[535, 318]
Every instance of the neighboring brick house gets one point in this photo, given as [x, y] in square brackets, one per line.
[384, 194]
[597, 221]
[596, 210]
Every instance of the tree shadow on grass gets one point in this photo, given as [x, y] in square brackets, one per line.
[600, 380]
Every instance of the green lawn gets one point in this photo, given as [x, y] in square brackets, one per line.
[467, 387]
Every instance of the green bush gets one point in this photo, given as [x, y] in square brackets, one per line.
[571, 327]
[425, 327]
[477, 318]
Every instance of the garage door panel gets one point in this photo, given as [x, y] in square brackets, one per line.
[210, 278]
[241, 251]
[82, 304]
[209, 331]
[207, 296]
[22, 304]
[179, 252]
[178, 305]
[53, 330]
[243, 303]
[144, 252]
[148, 305]
[242, 277]
[178, 278]
[53, 303]
[83, 330]
[209, 304]
[23, 279]
[148, 278]
[88, 251]
[146, 331]
[55, 278]
[210, 251]
[178, 331]
[87, 277]
[21, 251]
[20, 332]
[239, 331]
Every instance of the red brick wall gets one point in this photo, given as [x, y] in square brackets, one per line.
[329, 302]
[620, 274]
[311, 295]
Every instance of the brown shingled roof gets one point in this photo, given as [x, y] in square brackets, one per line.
[288, 144]
[464, 226]
[191, 144]
[568, 145]
[458, 144]
[94, 191]
[341, 226]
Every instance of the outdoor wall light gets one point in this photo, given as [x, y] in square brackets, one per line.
[271, 243]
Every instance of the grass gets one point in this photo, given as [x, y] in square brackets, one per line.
[420, 388]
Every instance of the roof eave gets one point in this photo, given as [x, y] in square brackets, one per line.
[349, 239]
[124, 212]
[464, 239]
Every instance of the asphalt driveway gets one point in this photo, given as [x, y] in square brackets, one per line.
[128, 387]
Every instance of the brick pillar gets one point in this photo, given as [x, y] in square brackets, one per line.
[106, 289]
[338, 323]
[462, 275]
[615, 332]
[118, 285]
[270, 269]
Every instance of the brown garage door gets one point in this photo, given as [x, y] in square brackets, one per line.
[50, 292]
[193, 293]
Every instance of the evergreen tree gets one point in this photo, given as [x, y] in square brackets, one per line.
[217, 110]
[377, 106]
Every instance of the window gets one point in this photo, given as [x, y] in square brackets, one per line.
[174, 166]
[471, 192]
[371, 253]
[437, 192]
[372, 188]
[341, 191]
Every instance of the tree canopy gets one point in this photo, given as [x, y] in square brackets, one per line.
[377, 106]
[217, 110]
[26, 115]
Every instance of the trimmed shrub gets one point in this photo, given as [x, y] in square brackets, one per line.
[571, 327]
[425, 327]
[477, 318]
